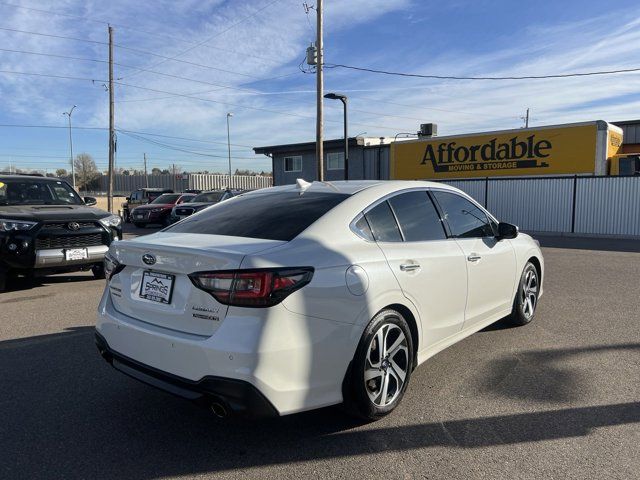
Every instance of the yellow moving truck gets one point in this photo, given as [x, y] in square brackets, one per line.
[568, 149]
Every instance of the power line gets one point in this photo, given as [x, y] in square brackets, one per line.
[8, 125]
[453, 77]
[50, 35]
[12, 125]
[214, 36]
[181, 138]
[278, 112]
[178, 77]
[124, 47]
[171, 147]
[149, 99]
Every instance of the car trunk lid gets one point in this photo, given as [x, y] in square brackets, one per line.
[155, 287]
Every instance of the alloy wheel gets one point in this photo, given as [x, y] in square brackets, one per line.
[386, 365]
[529, 294]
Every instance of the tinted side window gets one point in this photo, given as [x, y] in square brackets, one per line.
[417, 217]
[273, 216]
[464, 218]
[383, 224]
[361, 226]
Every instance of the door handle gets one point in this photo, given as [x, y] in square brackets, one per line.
[474, 257]
[409, 267]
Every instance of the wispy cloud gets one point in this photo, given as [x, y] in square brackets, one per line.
[272, 44]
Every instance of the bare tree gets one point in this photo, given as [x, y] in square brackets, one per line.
[86, 170]
[61, 172]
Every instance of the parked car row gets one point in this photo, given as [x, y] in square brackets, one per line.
[147, 206]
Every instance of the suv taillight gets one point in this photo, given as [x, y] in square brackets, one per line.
[252, 288]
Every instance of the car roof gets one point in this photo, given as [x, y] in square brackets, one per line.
[31, 177]
[352, 186]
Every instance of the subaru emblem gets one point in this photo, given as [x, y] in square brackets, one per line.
[73, 225]
[148, 259]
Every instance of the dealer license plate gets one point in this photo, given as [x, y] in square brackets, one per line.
[157, 286]
[75, 254]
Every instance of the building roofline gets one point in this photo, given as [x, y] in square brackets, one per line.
[311, 146]
[626, 122]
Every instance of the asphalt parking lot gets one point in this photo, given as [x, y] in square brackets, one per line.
[559, 398]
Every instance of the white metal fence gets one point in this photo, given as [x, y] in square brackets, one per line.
[244, 182]
[585, 205]
[125, 184]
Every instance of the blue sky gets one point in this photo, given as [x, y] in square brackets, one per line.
[246, 45]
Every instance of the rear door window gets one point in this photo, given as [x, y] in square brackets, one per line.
[272, 216]
[383, 223]
[417, 216]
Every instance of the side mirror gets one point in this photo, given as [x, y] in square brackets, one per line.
[506, 230]
[90, 201]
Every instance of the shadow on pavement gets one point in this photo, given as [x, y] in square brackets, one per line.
[588, 243]
[17, 284]
[68, 414]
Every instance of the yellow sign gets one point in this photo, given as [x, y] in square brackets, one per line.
[544, 151]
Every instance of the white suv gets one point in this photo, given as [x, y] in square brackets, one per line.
[298, 297]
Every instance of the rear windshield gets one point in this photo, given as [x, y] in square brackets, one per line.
[167, 198]
[272, 216]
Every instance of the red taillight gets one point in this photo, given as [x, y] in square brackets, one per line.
[252, 288]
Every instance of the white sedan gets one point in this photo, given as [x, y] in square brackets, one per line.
[302, 296]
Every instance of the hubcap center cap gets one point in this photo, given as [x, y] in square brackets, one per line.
[385, 364]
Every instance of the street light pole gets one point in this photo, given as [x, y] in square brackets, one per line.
[73, 169]
[343, 99]
[229, 115]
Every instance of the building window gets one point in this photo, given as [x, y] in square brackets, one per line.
[293, 164]
[335, 161]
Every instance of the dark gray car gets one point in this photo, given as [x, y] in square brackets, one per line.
[202, 201]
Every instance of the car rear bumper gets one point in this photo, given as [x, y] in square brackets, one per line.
[56, 257]
[294, 361]
[237, 396]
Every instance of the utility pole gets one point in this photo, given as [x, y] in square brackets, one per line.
[111, 125]
[73, 169]
[319, 95]
[526, 119]
[229, 115]
[146, 175]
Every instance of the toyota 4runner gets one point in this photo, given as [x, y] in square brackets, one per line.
[45, 228]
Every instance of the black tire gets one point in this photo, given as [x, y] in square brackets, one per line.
[3, 281]
[98, 271]
[526, 301]
[138, 225]
[358, 392]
